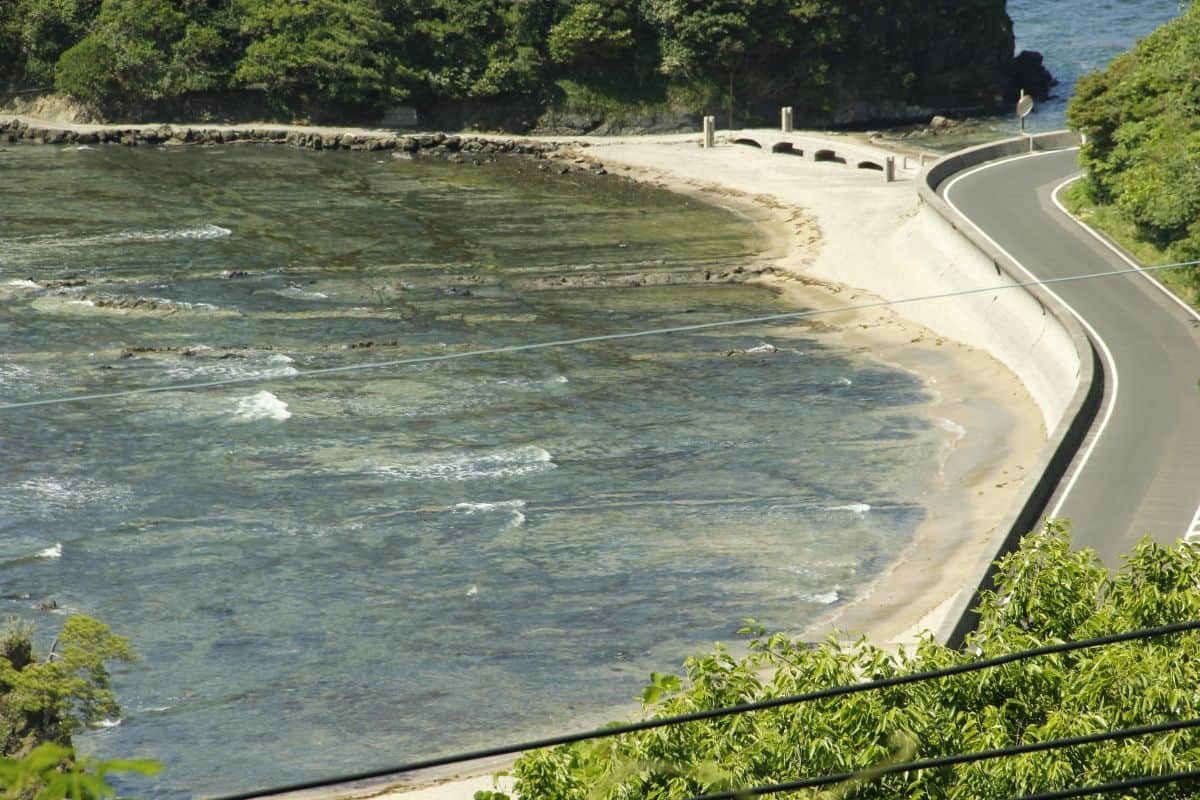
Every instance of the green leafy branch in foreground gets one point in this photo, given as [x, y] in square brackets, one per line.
[1045, 593]
[44, 701]
[52, 772]
[48, 700]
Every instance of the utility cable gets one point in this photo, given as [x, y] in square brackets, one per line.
[1117, 786]
[870, 773]
[661, 722]
[606, 337]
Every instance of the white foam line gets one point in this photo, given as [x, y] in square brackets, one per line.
[1109, 363]
[1193, 530]
[607, 337]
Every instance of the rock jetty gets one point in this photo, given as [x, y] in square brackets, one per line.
[17, 130]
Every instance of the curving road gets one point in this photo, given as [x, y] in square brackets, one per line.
[1139, 472]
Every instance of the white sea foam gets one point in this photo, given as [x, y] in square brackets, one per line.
[48, 496]
[252, 364]
[54, 241]
[856, 508]
[181, 304]
[108, 722]
[474, 590]
[263, 405]
[821, 598]
[11, 374]
[513, 507]
[54, 551]
[952, 427]
[23, 283]
[501, 464]
[763, 347]
[296, 293]
[843, 381]
[200, 232]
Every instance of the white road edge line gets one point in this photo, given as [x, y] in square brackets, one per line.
[1109, 363]
[1192, 534]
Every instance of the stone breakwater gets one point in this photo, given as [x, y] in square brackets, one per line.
[15, 131]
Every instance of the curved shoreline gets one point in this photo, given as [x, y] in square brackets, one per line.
[854, 216]
[829, 229]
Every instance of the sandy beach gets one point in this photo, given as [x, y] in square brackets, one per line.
[824, 226]
[816, 218]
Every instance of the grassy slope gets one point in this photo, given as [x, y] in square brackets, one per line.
[1108, 221]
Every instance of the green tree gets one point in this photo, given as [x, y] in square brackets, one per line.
[48, 700]
[481, 48]
[45, 30]
[52, 772]
[1045, 592]
[1141, 119]
[591, 34]
[338, 52]
[153, 50]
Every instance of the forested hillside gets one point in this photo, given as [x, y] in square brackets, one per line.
[1141, 117]
[833, 60]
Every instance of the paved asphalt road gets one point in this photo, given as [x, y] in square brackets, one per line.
[1139, 473]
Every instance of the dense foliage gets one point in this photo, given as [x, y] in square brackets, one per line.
[818, 55]
[44, 701]
[53, 772]
[1045, 593]
[1141, 117]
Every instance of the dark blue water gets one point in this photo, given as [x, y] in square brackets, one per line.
[1078, 37]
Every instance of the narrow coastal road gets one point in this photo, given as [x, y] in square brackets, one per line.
[1139, 472]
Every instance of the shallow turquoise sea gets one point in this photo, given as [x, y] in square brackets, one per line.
[343, 571]
[340, 572]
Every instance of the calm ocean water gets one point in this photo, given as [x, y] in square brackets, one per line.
[336, 573]
[1078, 37]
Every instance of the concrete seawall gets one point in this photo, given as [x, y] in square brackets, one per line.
[1028, 330]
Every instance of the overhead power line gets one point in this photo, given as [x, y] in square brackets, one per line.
[870, 773]
[1117, 786]
[715, 713]
[606, 337]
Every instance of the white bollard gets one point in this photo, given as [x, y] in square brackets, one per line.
[710, 131]
[889, 169]
[785, 119]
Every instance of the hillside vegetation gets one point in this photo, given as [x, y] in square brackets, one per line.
[1141, 117]
[1046, 593]
[832, 59]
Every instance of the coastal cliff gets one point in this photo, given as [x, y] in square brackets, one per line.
[603, 66]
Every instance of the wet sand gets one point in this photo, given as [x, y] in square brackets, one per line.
[814, 217]
[822, 221]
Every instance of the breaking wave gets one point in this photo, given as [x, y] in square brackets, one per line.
[262, 405]
[502, 464]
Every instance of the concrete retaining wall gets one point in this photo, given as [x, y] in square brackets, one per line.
[1029, 331]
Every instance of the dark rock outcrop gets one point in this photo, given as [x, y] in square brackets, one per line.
[1028, 73]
